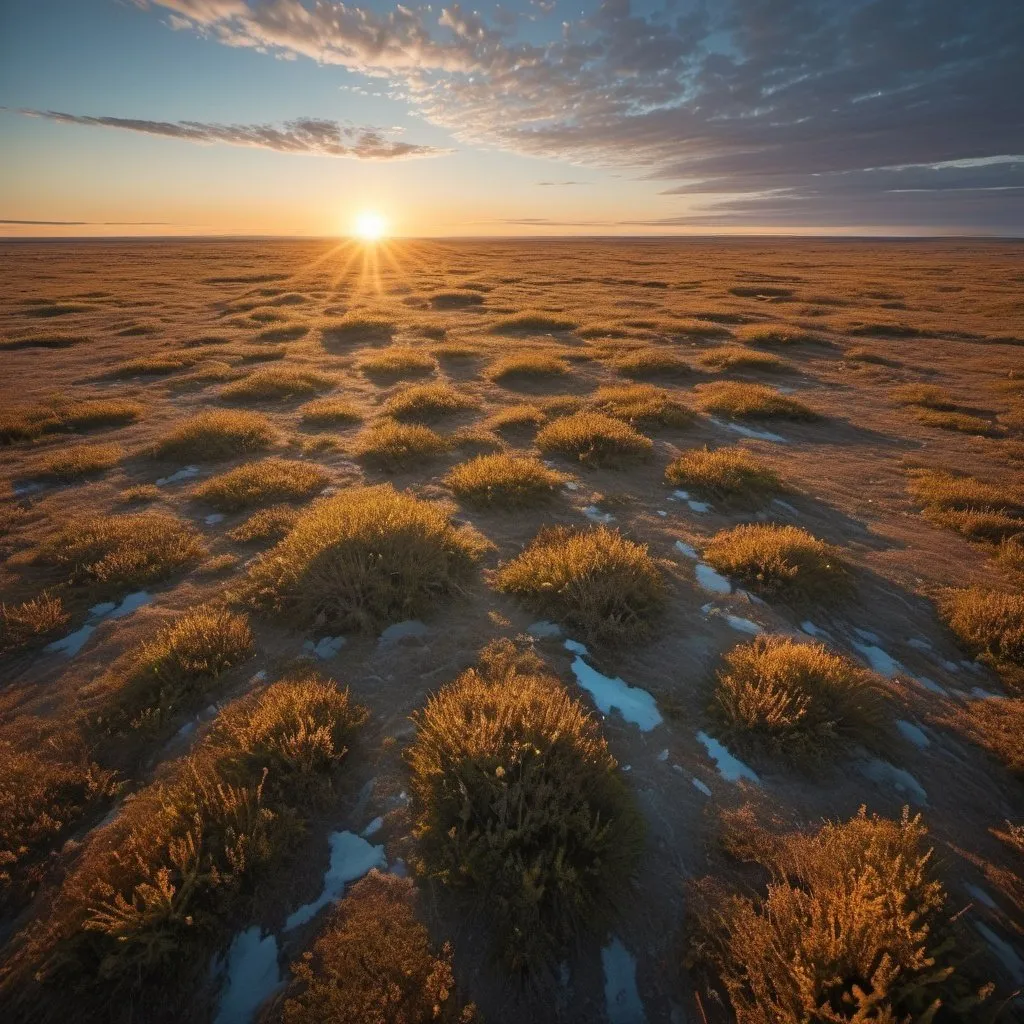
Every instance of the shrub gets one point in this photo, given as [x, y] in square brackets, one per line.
[109, 553]
[75, 461]
[732, 357]
[358, 328]
[397, 362]
[776, 334]
[532, 322]
[328, 412]
[972, 507]
[363, 559]
[372, 963]
[393, 446]
[995, 724]
[642, 403]
[991, 626]
[260, 483]
[173, 672]
[850, 927]
[926, 395]
[730, 475]
[596, 438]
[596, 581]
[525, 366]
[651, 362]
[513, 417]
[277, 382]
[751, 401]
[25, 424]
[517, 799]
[798, 700]
[428, 401]
[476, 441]
[267, 524]
[507, 480]
[216, 435]
[779, 561]
[31, 622]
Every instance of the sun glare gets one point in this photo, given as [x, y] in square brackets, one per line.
[370, 226]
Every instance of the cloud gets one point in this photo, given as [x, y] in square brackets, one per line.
[92, 223]
[309, 136]
[556, 184]
[739, 99]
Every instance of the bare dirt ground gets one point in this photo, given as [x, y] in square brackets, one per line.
[947, 314]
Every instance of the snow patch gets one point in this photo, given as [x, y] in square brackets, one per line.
[621, 996]
[685, 549]
[130, 604]
[882, 662]
[699, 507]
[214, 518]
[884, 774]
[635, 705]
[701, 787]
[930, 685]
[183, 474]
[1007, 955]
[919, 643]
[711, 581]
[914, 733]
[742, 625]
[373, 828]
[739, 428]
[595, 515]
[403, 630]
[731, 768]
[326, 647]
[981, 896]
[71, 644]
[785, 506]
[253, 976]
[544, 630]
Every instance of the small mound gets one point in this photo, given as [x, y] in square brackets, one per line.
[928, 396]
[515, 417]
[147, 366]
[595, 438]
[777, 334]
[651, 362]
[978, 510]
[52, 339]
[595, 582]
[395, 446]
[732, 357]
[643, 404]
[283, 332]
[277, 383]
[260, 483]
[990, 625]
[98, 412]
[358, 329]
[751, 401]
[216, 435]
[366, 558]
[269, 524]
[995, 724]
[961, 422]
[733, 476]
[428, 401]
[372, 962]
[530, 322]
[517, 802]
[526, 366]
[779, 561]
[30, 623]
[504, 480]
[76, 461]
[397, 362]
[456, 299]
[798, 700]
[329, 412]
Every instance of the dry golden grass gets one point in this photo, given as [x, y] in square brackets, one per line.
[776, 334]
[751, 401]
[456, 299]
[139, 494]
[779, 561]
[595, 582]
[31, 622]
[329, 412]
[283, 332]
[863, 354]
[972, 507]
[51, 339]
[269, 524]
[733, 476]
[91, 413]
[213, 371]
[358, 329]
[527, 366]
[277, 383]
[509, 481]
[962, 422]
[733, 357]
[76, 461]
[852, 926]
[1010, 557]
[533, 322]
[515, 417]
[372, 963]
[474, 440]
[798, 700]
[928, 396]
[366, 558]
[994, 723]
[147, 366]
[175, 671]
[428, 402]
[990, 625]
[652, 362]
[215, 435]
[268, 481]
[595, 438]
[517, 801]
[395, 446]
[110, 553]
[643, 404]
[397, 361]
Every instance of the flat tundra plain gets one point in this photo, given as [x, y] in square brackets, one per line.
[645, 476]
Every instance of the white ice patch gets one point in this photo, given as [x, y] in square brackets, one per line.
[595, 515]
[685, 549]
[544, 630]
[326, 647]
[130, 604]
[731, 768]
[183, 474]
[621, 996]
[867, 636]
[711, 581]
[253, 975]
[662, 513]
[701, 787]
[373, 828]
[812, 630]
[351, 858]
[700, 507]
[981, 896]
[919, 643]
[930, 685]
[882, 662]
[71, 644]
[739, 428]
[785, 506]
[403, 630]
[977, 693]
[635, 705]
[214, 518]
[884, 774]
[742, 625]
[914, 733]
[571, 485]
[1007, 955]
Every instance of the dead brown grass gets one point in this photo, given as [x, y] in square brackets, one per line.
[396, 362]
[268, 481]
[329, 412]
[215, 435]
[31, 622]
[652, 362]
[269, 524]
[733, 357]
[527, 366]
[395, 446]
[751, 401]
[76, 461]
[978, 510]
[642, 404]
[507, 481]
[776, 334]
[277, 383]
[733, 476]
[990, 624]
[428, 402]
[595, 438]
[995, 724]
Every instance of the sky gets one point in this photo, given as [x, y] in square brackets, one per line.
[524, 117]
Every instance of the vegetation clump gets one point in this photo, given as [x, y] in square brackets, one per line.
[731, 475]
[397, 361]
[373, 963]
[978, 510]
[269, 524]
[75, 461]
[428, 401]
[596, 582]
[329, 412]
[851, 926]
[798, 700]
[394, 446]
[643, 404]
[30, 622]
[358, 328]
[215, 435]
[525, 366]
[363, 559]
[595, 438]
[779, 561]
[751, 401]
[268, 481]
[515, 417]
[277, 383]
[990, 625]
[651, 362]
[733, 357]
[504, 480]
[147, 366]
[517, 801]
[776, 334]
[97, 412]
[533, 322]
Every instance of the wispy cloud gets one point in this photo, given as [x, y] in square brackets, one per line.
[311, 136]
[92, 223]
[559, 184]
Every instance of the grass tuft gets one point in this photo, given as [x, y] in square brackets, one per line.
[515, 417]
[530, 322]
[652, 362]
[733, 476]
[978, 510]
[428, 401]
[268, 481]
[269, 524]
[643, 404]
[396, 362]
[595, 438]
[527, 366]
[395, 446]
[776, 334]
[733, 357]
[358, 328]
[990, 625]
[277, 383]
[76, 461]
[510, 481]
[329, 412]
[30, 623]
[219, 434]
[751, 401]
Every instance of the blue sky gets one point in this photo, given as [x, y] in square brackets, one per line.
[536, 116]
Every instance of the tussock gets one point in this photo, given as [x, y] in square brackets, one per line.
[595, 438]
[508, 481]
[216, 435]
[268, 481]
[733, 476]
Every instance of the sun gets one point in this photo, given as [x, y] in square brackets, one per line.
[370, 226]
